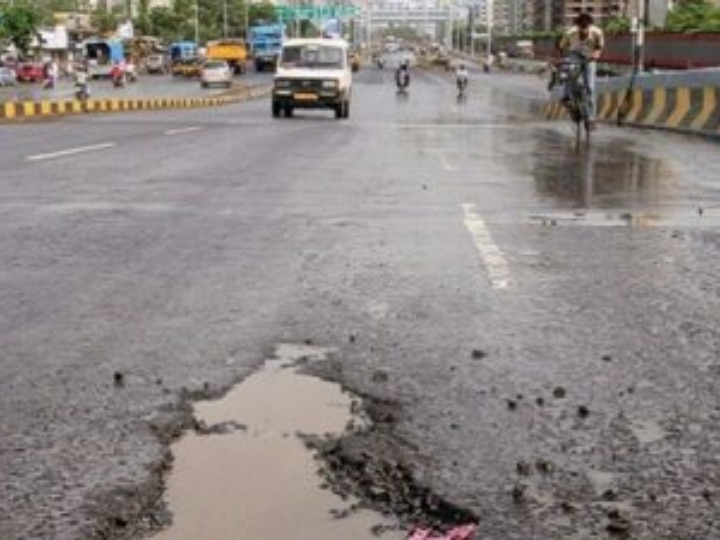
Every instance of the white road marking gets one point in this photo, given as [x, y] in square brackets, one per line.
[181, 131]
[490, 254]
[71, 151]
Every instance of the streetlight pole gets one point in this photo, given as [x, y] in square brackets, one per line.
[490, 7]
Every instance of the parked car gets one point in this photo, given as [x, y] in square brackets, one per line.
[30, 72]
[216, 72]
[156, 64]
[7, 77]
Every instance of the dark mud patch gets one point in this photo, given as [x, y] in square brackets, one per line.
[372, 463]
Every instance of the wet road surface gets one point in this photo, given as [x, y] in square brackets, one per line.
[541, 322]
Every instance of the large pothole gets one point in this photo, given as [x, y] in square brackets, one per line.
[247, 471]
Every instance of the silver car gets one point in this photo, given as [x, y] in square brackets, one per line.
[216, 72]
[7, 77]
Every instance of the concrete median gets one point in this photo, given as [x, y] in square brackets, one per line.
[687, 102]
[28, 110]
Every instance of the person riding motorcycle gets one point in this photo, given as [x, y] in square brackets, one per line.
[402, 76]
[82, 89]
[461, 77]
[117, 74]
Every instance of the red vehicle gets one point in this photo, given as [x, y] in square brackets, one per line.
[30, 72]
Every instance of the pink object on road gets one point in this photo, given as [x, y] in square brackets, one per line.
[464, 532]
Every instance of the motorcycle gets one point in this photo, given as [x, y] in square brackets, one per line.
[82, 92]
[118, 80]
[462, 83]
[402, 80]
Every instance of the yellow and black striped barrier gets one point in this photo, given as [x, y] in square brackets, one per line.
[686, 109]
[10, 111]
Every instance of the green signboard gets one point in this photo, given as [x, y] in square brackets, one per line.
[288, 13]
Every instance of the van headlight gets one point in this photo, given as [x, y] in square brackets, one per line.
[282, 83]
[330, 84]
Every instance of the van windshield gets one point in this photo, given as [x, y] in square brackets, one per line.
[312, 56]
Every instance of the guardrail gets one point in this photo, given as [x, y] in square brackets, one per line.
[27, 110]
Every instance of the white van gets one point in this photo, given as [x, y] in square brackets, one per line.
[313, 74]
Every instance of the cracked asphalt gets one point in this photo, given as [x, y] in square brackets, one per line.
[542, 319]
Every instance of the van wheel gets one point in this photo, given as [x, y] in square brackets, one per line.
[342, 110]
[276, 110]
[288, 111]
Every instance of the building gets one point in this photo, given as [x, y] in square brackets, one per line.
[554, 14]
[508, 16]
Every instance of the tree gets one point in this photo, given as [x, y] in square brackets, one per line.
[262, 12]
[142, 21]
[20, 24]
[694, 15]
[617, 25]
[105, 22]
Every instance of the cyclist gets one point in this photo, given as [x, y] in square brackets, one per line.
[587, 40]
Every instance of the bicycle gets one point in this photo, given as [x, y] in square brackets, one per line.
[571, 73]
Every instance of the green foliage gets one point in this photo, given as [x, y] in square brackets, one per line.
[105, 22]
[408, 33]
[142, 23]
[262, 12]
[694, 16]
[617, 25]
[20, 24]
[178, 22]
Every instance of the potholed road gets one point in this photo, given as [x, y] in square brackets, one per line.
[175, 250]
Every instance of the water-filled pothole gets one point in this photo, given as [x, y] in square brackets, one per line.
[254, 478]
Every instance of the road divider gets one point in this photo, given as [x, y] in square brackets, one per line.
[27, 110]
[688, 103]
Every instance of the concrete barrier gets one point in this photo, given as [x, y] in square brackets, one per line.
[687, 102]
[27, 110]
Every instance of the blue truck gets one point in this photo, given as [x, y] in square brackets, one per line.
[182, 50]
[101, 55]
[266, 43]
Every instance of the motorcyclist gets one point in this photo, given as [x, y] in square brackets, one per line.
[117, 74]
[402, 75]
[461, 77]
[82, 88]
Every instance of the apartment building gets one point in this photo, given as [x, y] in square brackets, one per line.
[553, 14]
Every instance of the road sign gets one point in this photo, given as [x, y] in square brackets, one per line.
[290, 13]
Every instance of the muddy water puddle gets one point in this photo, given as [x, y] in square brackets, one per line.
[251, 477]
